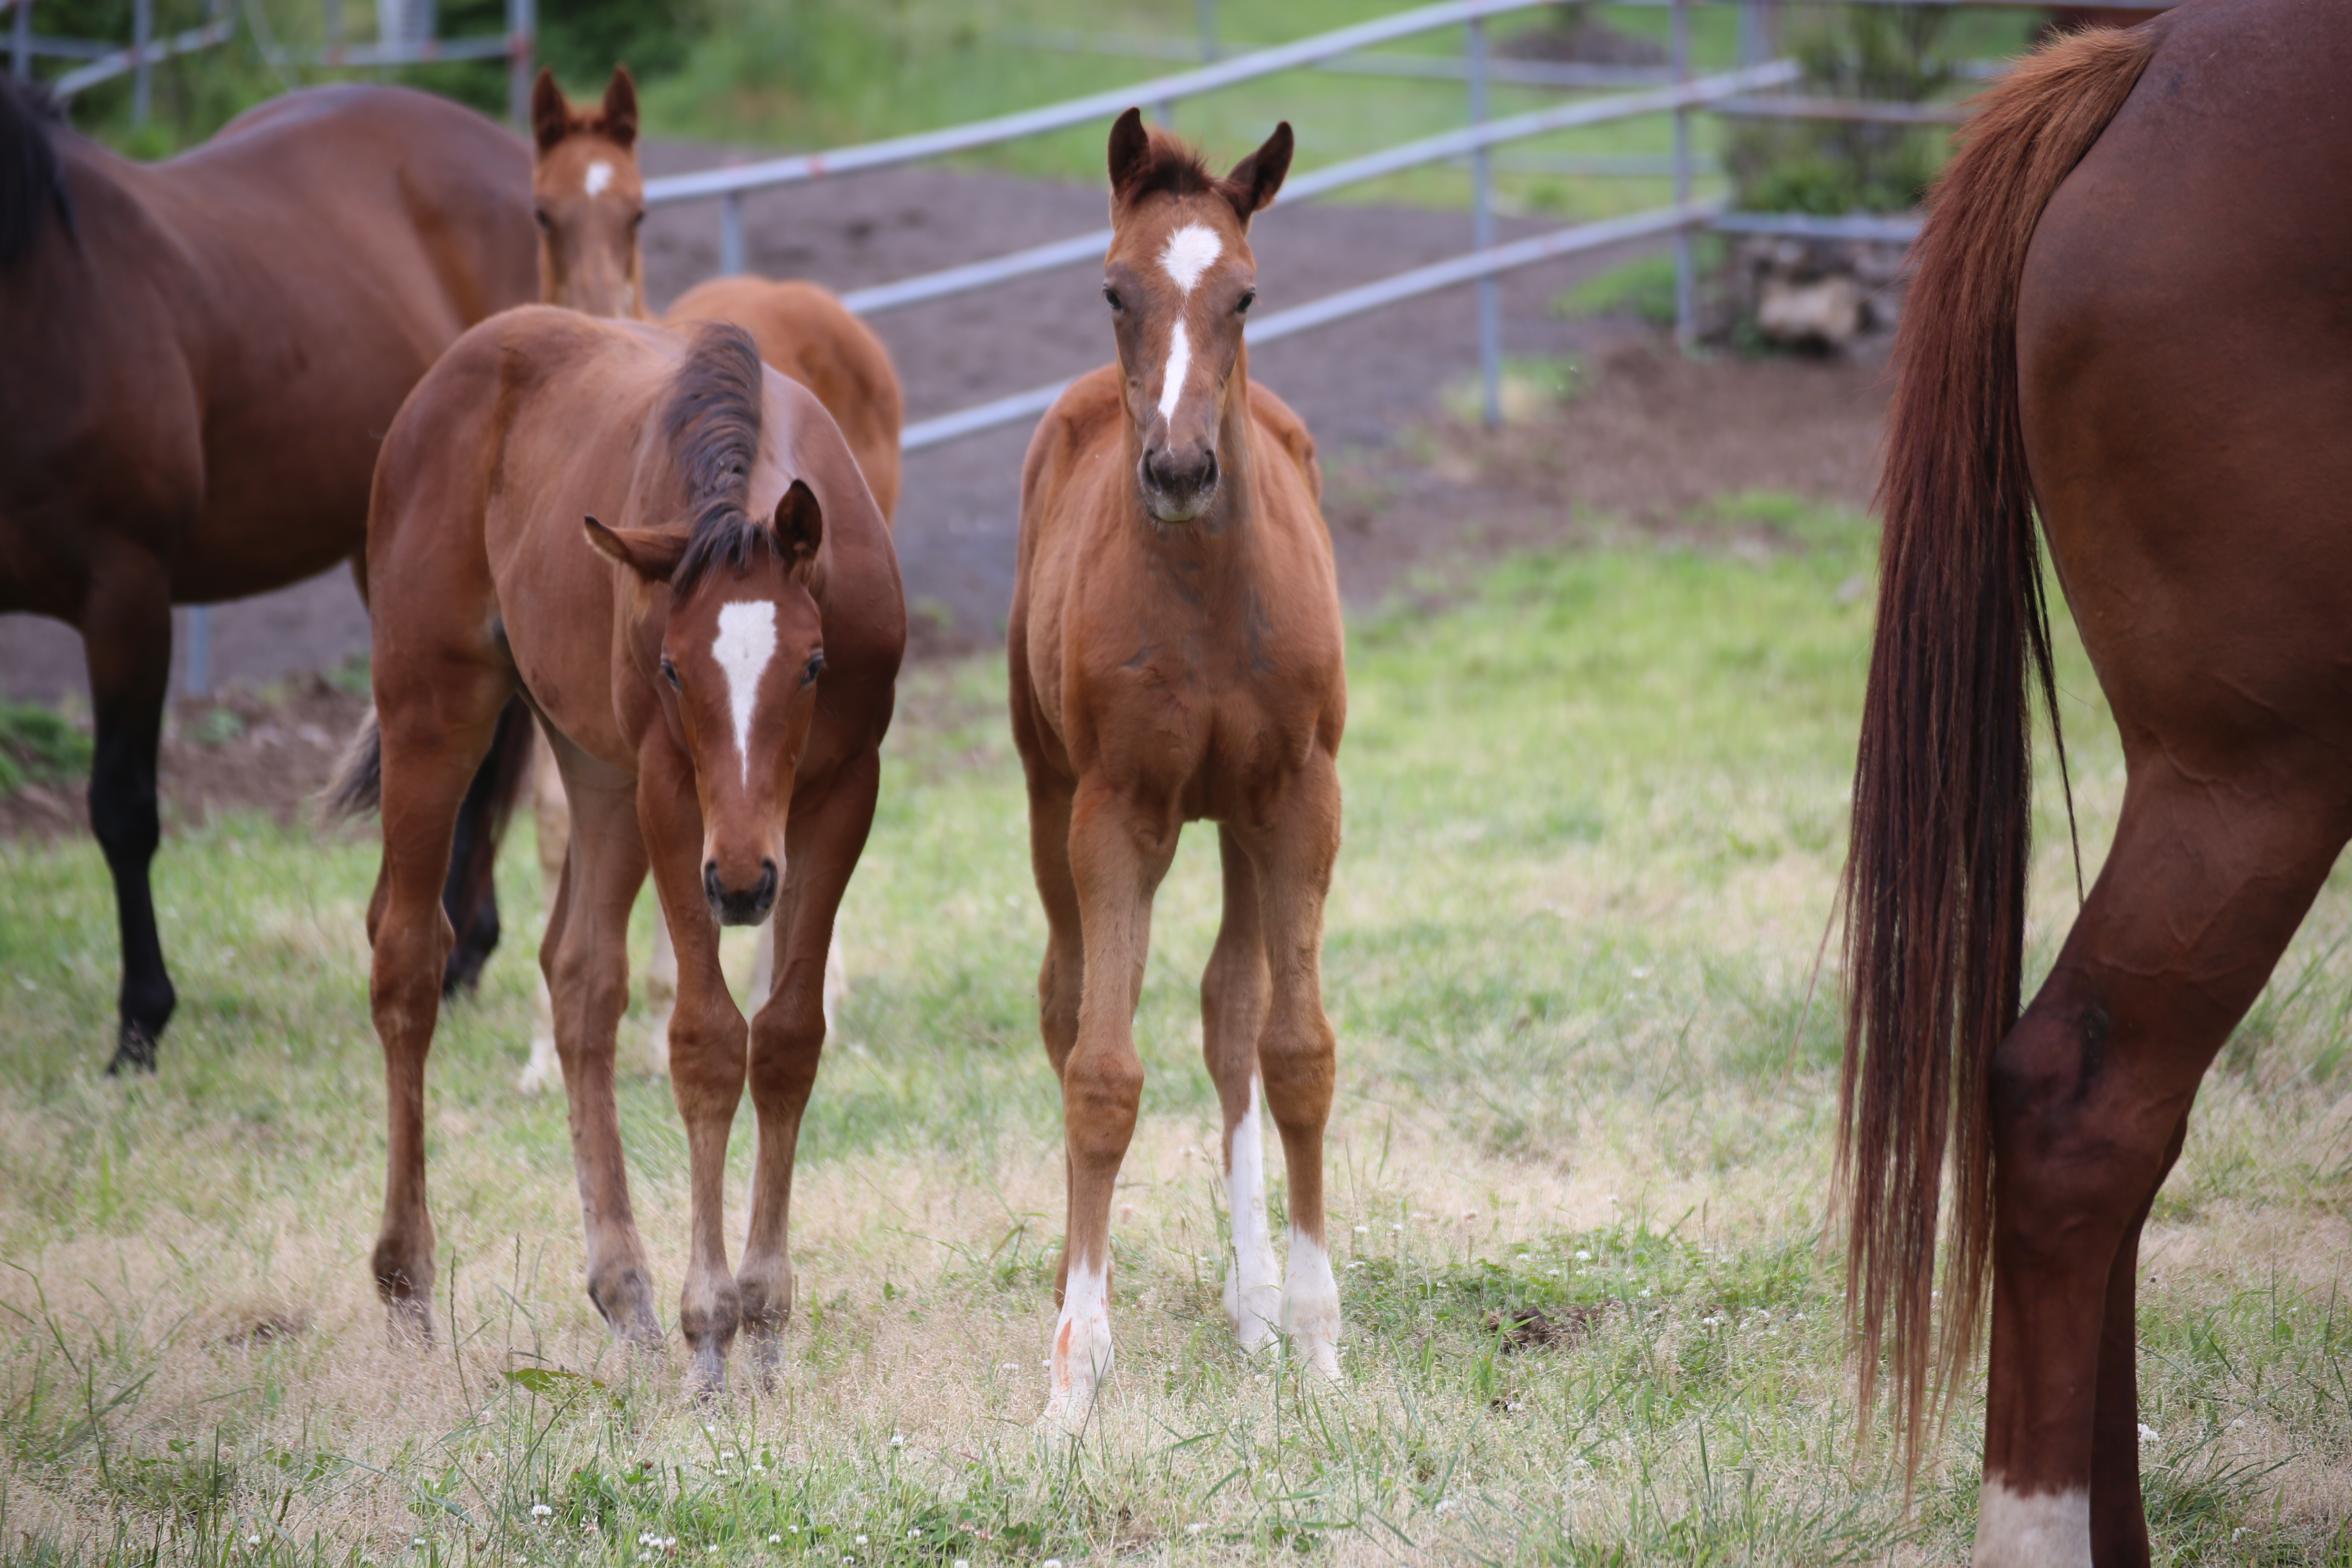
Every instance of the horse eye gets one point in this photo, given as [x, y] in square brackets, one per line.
[669, 673]
[545, 222]
[1249, 298]
[1112, 295]
[815, 666]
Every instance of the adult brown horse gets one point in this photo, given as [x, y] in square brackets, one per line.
[2130, 312]
[1177, 655]
[200, 357]
[715, 670]
[589, 199]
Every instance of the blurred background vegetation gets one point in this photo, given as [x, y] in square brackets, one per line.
[805, 73]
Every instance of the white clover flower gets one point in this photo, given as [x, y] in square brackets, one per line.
[540, 1510]
[253, 1540]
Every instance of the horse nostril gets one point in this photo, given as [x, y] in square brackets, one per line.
[766, 891]
[711, 887]
[1209, 469]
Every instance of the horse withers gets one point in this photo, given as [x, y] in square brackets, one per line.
[2128, 314]
[712, 653]
[201, 356]
[1177, 655]
[588, 197]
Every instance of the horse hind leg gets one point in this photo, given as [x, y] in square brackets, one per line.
[2087, 1098]
[126, 630]
[470, 895]
[1234, 997]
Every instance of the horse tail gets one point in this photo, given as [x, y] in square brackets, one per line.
[469, 894]
[1934, 881]
[357, 788]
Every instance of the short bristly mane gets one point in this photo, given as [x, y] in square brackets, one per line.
[1170, 168]
[31, 179]
[713, 425]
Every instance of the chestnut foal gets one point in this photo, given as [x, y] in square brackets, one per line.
[589, 199]
[674, 660]
[1177, 655]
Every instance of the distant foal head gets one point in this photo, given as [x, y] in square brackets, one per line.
[742, 636]
[1179, 279]
[589, 199]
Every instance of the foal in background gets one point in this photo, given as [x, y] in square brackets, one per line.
[1177, 655]
[589, 199]
[716, 671]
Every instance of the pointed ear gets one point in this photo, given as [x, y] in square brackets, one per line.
[551, 116]
[1131, 150]
[621, 107]
[652, 554]
[1256, 178]
[800, 527]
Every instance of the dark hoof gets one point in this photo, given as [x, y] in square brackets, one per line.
[134, 1051]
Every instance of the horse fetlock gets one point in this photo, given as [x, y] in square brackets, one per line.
[1082, 1347]
[1310, 1306]
[622, 1294]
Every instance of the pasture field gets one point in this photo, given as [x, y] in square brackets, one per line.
[1579, 1171]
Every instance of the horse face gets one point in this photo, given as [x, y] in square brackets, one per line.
[740, 653]
[589, 199]
[1179, 279]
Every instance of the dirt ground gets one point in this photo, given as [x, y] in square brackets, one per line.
[1645, 437]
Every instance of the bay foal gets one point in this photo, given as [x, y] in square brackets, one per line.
[588, 197]
[2128, 314]
[1177, 655]
[715, 670]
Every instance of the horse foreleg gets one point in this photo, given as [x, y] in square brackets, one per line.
[1120, 849]
[551, 830]
[429, 753]
[1293, 847]
[1235, 992]
[2086, 1097]
[585, 959]
[708, 1039]
[126, 630]
[823, 839]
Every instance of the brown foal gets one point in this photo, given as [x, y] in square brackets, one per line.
[1177, 655]
[714, 669]
[2128, 315]
[589, 199]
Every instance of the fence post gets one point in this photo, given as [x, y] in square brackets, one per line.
[198, 676]
[334, 32]
[1204, 12]
[20, 42]
[143, 73]
[731, 233]
[1490, 288]
[1753, 51]
[523, 41]
[1685, 311]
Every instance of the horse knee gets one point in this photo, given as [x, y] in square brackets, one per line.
[1102, 1092]
[785, 1049]
[706, 1057]
[1297, 1063]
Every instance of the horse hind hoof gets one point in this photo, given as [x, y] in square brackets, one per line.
[134, 1052]
[408, 1323]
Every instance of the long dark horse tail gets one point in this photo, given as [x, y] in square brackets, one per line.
[469, 895]
[1934, 885]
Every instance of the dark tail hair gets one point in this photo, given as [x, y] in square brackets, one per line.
[1934, 882]
[469, 895]
[357, 788]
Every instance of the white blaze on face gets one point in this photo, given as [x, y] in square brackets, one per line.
[599, 174]
[1252, 1293]
[2015, 1530]
[745, 643]
[1188, 253]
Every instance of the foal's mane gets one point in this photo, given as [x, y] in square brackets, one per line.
[712, 422]
[31, 178]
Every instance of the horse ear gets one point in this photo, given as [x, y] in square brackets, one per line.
[1256, 178]
[551, 116]
[621, 107]
[800, 527]
[1131, 150]
[652, 554]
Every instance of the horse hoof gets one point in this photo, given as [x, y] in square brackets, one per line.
[134, 1051]
[706, 1376]
[408, 1323]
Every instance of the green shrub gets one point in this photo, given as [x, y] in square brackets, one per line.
[40, 745]
[1883, 54]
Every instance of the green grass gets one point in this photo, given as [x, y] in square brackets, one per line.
[1595, 811]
